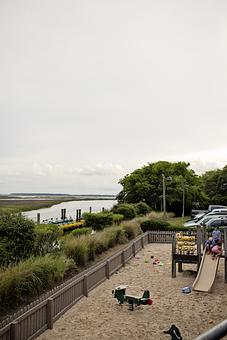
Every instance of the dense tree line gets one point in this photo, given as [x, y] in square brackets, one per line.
[181, 183]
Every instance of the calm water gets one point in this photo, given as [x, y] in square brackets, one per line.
[55, 210]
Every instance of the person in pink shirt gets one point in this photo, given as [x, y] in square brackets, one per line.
[216, 250]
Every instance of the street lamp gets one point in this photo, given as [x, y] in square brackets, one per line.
[164, 194]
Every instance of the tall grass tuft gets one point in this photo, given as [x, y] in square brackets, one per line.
[29, 278]
[77, 249]
[132, 228]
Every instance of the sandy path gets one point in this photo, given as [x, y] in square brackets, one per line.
[100, 317]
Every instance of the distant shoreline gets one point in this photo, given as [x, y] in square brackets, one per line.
[22, 204]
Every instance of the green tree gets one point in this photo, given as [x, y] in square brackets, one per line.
[145, 184]
[215, 185]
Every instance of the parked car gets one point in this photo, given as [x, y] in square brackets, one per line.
[205, 218]
[195, 213]
[217, 222]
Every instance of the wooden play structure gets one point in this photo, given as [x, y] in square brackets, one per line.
[188, 248]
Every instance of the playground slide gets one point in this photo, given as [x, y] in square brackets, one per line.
[207, 272]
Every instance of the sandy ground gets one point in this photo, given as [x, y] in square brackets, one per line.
[100, 317]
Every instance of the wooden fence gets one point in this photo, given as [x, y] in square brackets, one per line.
[37, 319]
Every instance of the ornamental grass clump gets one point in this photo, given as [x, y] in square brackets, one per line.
[132, 229]
[77, 249]
[21, 282]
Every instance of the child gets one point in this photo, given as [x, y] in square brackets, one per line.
[216, 249]
[209, 244]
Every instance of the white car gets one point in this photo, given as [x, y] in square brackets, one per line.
[216, 222]
[205, 219]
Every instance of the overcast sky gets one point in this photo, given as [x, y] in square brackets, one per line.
[92, 89]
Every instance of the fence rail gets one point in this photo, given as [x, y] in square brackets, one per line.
[40, 317]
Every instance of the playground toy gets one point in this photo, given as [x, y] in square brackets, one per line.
[119, 294]
[174, 332]
[185, 244]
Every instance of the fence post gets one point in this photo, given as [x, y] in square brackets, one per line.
[14, 331]
[149, 236]
[108, 269]
[50, 313]
[123, 258]
[142, 242]
[225, 252]
[86, 285]
[134, 249]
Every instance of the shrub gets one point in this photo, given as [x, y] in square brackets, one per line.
[17, 238]
[154, 225]
[125, 209]
[29, 278]
[101, 241]
[46, 238]
[77, 249]
[131, 228]
[98, 221]
[142, 208]
[91, 245]
[117, 218]
[81, 231]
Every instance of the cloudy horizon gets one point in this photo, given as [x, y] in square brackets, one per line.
[92, 90]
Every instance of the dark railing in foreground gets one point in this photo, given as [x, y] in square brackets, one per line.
[41, 316]
[215, 333]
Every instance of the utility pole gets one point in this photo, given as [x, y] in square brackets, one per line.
[183, 202]
[164, 196]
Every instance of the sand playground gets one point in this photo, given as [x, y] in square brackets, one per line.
[101, 317]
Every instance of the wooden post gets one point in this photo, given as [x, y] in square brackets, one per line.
[142, 242]
[50, 313]
[14, 334]
[79, 214]
[103, 209]
[108, 269]
[86, 285]
[173, 253]
[76, 214]
[123, 258]
[90, 209]
[198, 242]
[38, 218]
[134, 249]
[180, 268]
[62, 214]
[225, 252]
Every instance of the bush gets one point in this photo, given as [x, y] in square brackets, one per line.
[131, 228]
[154, 225]
[77, 249]
[46, 238]
[98, 221]
[117, 218]
[125, 209]
[29, 278]
[17, 238]
[81, 231]
[142, 208]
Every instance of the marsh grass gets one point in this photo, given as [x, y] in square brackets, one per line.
[29, 278]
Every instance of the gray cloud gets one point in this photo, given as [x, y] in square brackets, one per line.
[87, 87]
